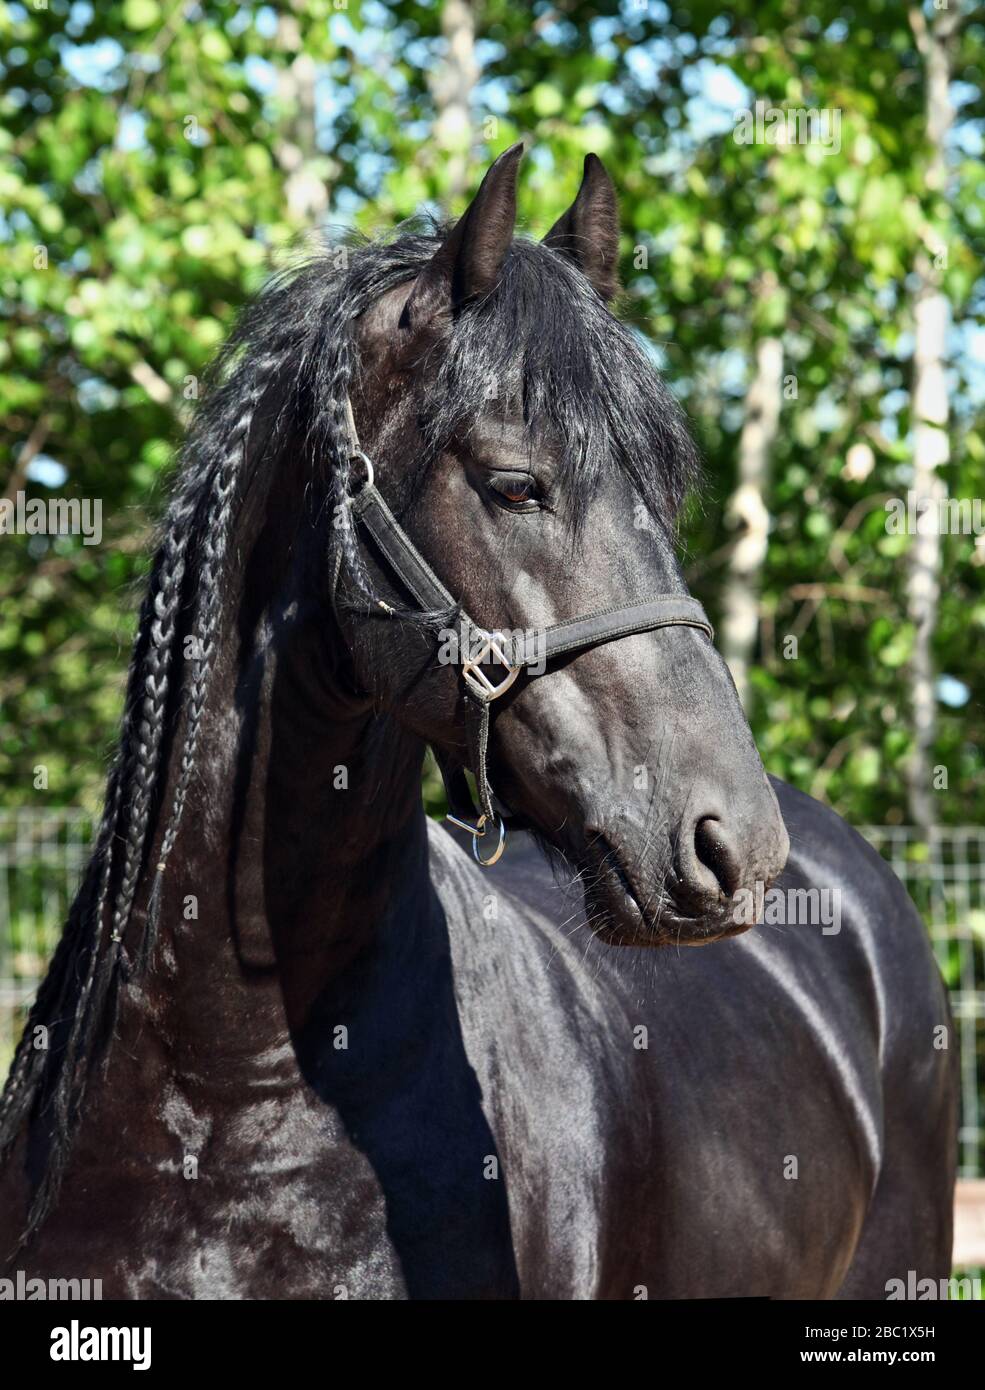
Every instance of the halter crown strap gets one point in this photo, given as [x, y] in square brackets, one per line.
[527, 652]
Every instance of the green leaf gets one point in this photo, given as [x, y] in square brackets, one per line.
[141, 14]
[547, 100]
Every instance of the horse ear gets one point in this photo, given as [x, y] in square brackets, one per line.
[588, 233]
[468, 262]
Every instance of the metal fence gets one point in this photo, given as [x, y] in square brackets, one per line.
[945, 876]
[42, 854]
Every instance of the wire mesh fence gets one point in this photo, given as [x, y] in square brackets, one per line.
[945, 876]
[43, 852]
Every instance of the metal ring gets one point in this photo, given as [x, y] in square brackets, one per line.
[358, 454]
[497, 852]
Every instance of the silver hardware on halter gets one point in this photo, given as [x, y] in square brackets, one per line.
[477, 831]
[491, 645]
[368, 480]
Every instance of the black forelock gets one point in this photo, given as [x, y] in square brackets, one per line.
[545, 342]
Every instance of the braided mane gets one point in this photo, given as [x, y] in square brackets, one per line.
[543, 333]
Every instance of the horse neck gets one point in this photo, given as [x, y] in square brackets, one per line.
[302, 860]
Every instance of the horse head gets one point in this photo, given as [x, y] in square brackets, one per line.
[536, 464]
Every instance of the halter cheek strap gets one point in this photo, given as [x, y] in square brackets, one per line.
[510, 655]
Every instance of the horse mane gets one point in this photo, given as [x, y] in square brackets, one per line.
[543, 336]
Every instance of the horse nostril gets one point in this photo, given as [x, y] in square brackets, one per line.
[712, 847]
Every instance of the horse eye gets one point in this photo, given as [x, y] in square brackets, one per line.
[517, 491]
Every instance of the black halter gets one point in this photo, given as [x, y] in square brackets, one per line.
[479, 647]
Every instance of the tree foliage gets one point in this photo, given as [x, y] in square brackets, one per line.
[158, 159]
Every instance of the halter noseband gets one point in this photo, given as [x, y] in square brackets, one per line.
[479, 646]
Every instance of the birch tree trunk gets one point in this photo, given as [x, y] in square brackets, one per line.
[930, 419]
[748, 512]
[295, 149]
[452, 88]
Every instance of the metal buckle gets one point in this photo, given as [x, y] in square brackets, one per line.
[492, 644]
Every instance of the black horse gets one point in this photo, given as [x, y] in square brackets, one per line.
[294, 1042]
